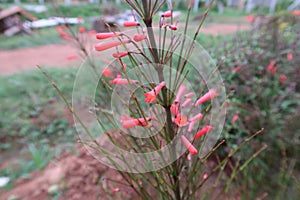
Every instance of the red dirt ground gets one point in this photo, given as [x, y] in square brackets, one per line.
[81, 175]
[13, 61]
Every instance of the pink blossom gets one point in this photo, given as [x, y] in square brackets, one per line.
[203, 131]
[234, 118]
[92, 32]
[173, 27]
[282, 78]
[107, 45]
[135, 122]
[289, 56]
[139, 37]
[272, 68]
[167, 14]
[119, 55]
[124, 118]
[102, 36]
[129, 23]
[122, 81]
[186, 102]
[71, 57]
[236, 69]
[107, 72]
[116, 190]
[188, 145]
[196, 117]
[205, 176]
[81, 29]
[189, 95]
[296, 13]
[191, 126]
[209, 95]
[181, 120]
[250, 18]
[175, 109]
[182, 89]
[150, 97]
[64, 35]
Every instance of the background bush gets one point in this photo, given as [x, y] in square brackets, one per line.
[263, 101]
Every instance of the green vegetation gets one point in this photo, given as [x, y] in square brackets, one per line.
[261, 75]
[33, 118]
[40, 37]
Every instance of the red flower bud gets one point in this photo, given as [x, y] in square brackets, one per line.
[129, 24]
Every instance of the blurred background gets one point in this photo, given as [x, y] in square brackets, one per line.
[255, 43]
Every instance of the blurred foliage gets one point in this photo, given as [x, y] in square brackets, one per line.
[264, 100]
[40, 37]
[30, 112]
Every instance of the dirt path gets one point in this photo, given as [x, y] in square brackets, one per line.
[62, 55]
[13, 61]
[224, 29]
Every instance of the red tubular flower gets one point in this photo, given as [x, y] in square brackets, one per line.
[60, 30]
[209, 95]
[274, 70]
[107, 45]
[250, 18]
[92, 32]
[102, 36]
[189, 95]
[182, 89]
[150, 97]
[289, 56]
[235, 117]
[203, 131]
[282, 78]
[124, 118]
[173, 27]
[271, 67]
[296, 12]
[167, 14]
[237, 69]
[139, 37]
[191, 126]
[135, 122]
[119, 55]
[188, 145]
[71, 57]
[107, 72]
[186, 102]
[175, 109]
[181, 120]
[81, 30]
[196, 117]
[122, 81]
[129, 24]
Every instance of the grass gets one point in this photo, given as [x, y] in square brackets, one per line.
[33, 119]
[40, 37]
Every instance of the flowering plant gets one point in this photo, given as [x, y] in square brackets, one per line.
[161, 128]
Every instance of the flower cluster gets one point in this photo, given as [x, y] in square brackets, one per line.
[183, 98]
